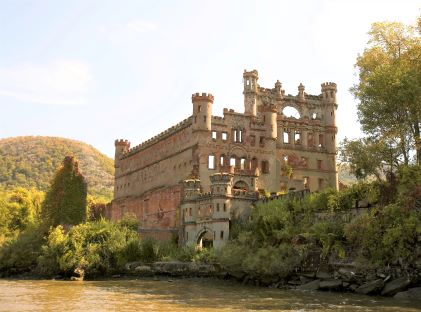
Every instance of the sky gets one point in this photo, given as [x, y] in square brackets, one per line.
[98, 70]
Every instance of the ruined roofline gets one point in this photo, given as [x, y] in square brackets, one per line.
[163, 135]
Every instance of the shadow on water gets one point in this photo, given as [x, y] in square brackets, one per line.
[179, 295]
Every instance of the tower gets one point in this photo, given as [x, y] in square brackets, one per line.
[121, 147]
[202, 111]
[221, 183]
[250, 91]
[270, 114]
[330, 106]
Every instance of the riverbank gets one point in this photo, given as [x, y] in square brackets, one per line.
[180, 294]
[343, 278]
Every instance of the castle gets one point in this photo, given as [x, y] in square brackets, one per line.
[195, 177]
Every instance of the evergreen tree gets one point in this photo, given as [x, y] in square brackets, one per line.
[65, 202]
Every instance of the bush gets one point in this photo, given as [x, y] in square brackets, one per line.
[19, 253]
[99, 247]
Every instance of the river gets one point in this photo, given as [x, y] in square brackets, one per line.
[179, 295]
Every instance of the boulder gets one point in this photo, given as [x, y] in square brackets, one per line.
[330, 285]
[393, 287]
[346, 274]
[324, 275]
[314, 285]
[370, 288]
[129, 266]
[144, 270]
[412, 293]
[78, 275]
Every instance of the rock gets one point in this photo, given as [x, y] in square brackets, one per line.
[78, 275]
[78, 272]
[144, 270]
[239, 276]
[177, 268]
[412, 293]
[393, 287]
[305, 280]
[330, 285]
[76, 279]
[345, 284]
[324, 275]
[129, 266]
[310, 275]
[370, 287]
[267, 280]
[346, 274]
[353, 287]
[116, 276]
[294, 282]
[313, 285]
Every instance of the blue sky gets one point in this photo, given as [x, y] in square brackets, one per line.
[100, 70]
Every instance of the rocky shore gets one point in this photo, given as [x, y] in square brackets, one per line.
[391, 282]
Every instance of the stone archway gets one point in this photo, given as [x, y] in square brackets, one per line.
[205, 238]
[241, 185]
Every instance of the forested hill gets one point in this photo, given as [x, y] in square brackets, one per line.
[32, 161]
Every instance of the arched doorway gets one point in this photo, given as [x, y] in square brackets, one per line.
[205, 239]
[241, 185]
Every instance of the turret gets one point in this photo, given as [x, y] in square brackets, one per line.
[329, 98]
[250, 91]
[329, 92]
[191, 188]
[301, 96]
[202, 111]
[221, 183]
[121, 147]
[270, 114]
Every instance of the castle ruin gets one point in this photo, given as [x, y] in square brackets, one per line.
[195, 177]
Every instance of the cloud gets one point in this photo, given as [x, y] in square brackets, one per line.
[62, 82]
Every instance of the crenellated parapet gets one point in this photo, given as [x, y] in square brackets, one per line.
[191, 189]
[122, 142]
[202, 97]
[329, 92]
[221, 178]
[157, 138]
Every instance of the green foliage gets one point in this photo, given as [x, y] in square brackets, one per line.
[389, 88]
[99, 247]
[387, 236]
[65, 202]
[369, 157]
[19, 252]
[31, 162]
[19, 208]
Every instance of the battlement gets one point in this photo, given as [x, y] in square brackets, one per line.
[269, 107]
[170, 131]
[202, 97]
[221, 177]
[191, 184]
[252, 73]
[122, 142]
[328, 86]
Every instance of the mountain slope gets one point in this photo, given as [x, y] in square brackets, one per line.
[32, 161]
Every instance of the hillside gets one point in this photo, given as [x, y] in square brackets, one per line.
[31, 162]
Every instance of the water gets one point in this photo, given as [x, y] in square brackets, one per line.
[179, 295]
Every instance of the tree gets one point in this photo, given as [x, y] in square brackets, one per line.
[389, 88]
[367, 157]
[65, 202]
